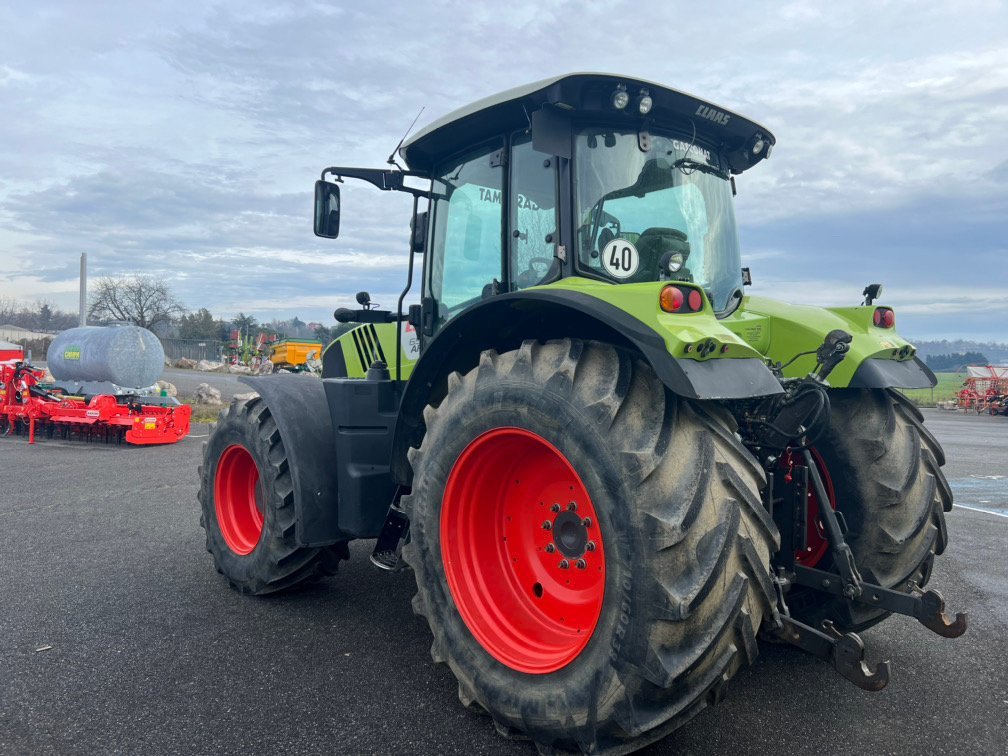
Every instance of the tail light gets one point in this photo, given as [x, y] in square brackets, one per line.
[680, 299]
[883, 317]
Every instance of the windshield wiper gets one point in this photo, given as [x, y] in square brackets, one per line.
[687, 166]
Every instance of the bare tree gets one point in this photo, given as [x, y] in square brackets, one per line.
[142, 300]
[8, 310]
[246, 324]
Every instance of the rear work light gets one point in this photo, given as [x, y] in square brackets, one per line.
[680, 299]
[883, 317]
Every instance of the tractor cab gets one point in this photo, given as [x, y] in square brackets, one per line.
[594, 176]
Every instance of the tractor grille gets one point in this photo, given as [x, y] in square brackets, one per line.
[369, 349]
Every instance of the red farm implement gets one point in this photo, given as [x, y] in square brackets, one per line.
[29, 406]
[984, 389]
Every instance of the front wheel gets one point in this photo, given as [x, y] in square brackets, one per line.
[591, 552]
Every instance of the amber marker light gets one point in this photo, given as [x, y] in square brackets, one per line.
[671, 299]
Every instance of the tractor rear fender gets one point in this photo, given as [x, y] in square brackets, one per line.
[299, 407]
[505, 321]
[878, 357]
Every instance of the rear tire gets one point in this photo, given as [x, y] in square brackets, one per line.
[684, 546]
[886, 468]
[247, 500]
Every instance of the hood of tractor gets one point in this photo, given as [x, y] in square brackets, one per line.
[592, 96]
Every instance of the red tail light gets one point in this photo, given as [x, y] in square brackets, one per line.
[883, 317]
[680, 299]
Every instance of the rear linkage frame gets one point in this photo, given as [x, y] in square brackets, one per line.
[789, 424]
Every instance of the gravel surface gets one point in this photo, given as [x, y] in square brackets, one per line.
[116, 634]
[186, 382]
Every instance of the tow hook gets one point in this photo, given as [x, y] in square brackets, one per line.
[845, 651]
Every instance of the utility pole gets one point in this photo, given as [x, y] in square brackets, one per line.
[83, 289]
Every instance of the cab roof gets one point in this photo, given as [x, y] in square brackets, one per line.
[589, 96]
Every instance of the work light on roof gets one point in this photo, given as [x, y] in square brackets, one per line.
[644, 102]
[758, 144]
[620, 98]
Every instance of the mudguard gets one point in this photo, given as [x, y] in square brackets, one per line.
[504, 321]
[876, 373]
[299, 407]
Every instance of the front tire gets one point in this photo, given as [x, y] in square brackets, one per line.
[621, 650]
[247, 500]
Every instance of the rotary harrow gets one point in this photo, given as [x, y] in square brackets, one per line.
[30, 406]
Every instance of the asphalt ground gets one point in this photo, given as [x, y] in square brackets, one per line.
[117, 635]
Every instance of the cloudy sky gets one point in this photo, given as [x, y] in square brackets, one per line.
[183, 140]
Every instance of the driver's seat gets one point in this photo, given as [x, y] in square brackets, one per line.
[652, 244]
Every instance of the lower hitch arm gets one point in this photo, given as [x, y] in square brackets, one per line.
[927, 607]
[845, 651]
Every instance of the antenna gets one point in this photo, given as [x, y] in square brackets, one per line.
[391, 158]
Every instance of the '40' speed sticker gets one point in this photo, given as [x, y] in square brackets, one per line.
[620, 258]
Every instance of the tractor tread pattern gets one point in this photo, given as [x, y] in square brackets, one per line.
[277, 563]
[704, 537]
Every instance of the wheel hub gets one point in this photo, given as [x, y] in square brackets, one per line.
[570, 535]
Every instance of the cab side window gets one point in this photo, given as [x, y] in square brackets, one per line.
[468, 214]
[533, 202]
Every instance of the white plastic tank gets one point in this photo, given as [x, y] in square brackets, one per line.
[125, 355]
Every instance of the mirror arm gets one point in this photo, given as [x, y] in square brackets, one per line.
[385, 179]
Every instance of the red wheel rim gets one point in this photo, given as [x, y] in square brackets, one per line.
[525, 568]
[238, 500]
[815, 535]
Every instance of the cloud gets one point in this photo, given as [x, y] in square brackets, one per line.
[184, 142]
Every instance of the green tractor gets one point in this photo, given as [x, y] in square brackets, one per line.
[609, 469]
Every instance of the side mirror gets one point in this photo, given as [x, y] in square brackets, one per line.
[419, 229]
[327, 209]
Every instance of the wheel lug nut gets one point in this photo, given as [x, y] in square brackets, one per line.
[547, 525]
[590, 546]
[564, 564]
[572, 506]
[555, 508]
[550, 548]
[586, 522]
[581, 564]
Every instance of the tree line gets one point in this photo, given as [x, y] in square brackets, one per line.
[955, 362]
[39, 316]
[150, 303]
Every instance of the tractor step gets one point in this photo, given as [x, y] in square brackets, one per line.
[387, 550]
